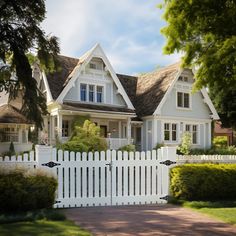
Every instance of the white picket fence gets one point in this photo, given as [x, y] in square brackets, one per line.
[182, 159]
[105, 178]
[108, 178]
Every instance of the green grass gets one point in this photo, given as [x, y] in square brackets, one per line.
[38, 223]
[225, 211]
[42, 228]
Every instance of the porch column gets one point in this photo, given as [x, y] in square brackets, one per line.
[119, 128]
[129, 130]
[52, 127]
[59, 126]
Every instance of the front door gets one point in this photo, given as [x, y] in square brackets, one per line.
[103, 131]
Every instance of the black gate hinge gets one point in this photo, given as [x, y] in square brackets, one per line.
[165, 197]
[168, 162]
[51, 164]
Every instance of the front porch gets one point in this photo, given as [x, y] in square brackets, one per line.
[115, 129]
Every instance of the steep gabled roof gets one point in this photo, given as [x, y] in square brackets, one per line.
[147, 91]
[10, 114]
[58, 80]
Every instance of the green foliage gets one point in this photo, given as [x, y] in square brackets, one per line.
[20, 32]
[85, 139]
[230, 150]
[128, 148]
[204, 31]
[220, 141]
[12, 149]
[21, 191]
[186, 142]
[203, 182]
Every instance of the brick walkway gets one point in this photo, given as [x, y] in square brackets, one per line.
[147, 220]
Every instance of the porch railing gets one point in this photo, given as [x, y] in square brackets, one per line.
[116, 143]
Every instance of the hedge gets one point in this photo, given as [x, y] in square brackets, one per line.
[22, 192]
[203, 182]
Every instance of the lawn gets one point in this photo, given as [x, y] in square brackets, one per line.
[225, 211]
[38, 224]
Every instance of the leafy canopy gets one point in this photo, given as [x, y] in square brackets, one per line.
[205, 31]
[20, 34]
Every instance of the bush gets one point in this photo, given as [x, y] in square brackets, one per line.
[85, 139]
[203, 182]
[220, 141]
[21, 192]
[128, 148]
[230, 150]
[159, 145]
[186, 142]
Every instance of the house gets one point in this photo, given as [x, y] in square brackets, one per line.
[224, 132]
[14, 127]
[156, 107]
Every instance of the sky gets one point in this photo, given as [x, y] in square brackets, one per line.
[127, 30]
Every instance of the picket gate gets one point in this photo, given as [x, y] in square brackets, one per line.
[109, 178]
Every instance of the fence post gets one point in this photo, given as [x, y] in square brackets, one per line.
[169, 157]
[43, 155]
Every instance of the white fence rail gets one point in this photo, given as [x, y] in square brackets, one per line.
[103, 178]
[182, 159]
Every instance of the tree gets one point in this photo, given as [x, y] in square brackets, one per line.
[205, 31]
[20, 34]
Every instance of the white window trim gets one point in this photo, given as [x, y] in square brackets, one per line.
[191, 129]
[177, 132]
[95, 92]
[190, 100]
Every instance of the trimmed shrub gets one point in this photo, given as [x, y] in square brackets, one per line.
[203, 182]
[128, 148]
[220, 141]
[21, 192]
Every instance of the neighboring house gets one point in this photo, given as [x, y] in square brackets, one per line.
[156, 107]
[14, 128]
[225, 132]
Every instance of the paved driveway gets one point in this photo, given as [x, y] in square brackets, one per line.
[147, 220]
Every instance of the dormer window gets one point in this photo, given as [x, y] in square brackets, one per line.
[83, 92]
[92, 66]
[99, 93]
[183, 78]
[91, 93]
[96, 65]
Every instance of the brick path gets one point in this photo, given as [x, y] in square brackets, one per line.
[147, 220]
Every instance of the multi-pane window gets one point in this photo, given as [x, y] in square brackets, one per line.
[183, 100]
[194, 132]
[99, 93]
[83, 92]
[65, 128]
[91, 93]
[170, 132]
[9, 134]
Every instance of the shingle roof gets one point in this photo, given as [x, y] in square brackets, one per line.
[152, 87]
[58, 80]
[10, 114]
[145, 91]
[79, 106]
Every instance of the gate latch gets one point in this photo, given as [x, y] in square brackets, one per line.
[110, 165]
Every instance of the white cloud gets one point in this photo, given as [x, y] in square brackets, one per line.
[128, 30]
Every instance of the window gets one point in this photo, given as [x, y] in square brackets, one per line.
[99, 93]
[193, 129]
[170, 132]
[65, 128]
[183, 100]
[9, 134]
[91, 93]
[92, 66]
[83, 92]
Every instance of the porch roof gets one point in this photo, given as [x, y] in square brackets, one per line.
[97, 108]
[10, 114]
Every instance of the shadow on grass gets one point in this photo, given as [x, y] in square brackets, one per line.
[42, 228]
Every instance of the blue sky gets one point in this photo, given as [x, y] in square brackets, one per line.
[127, 30]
